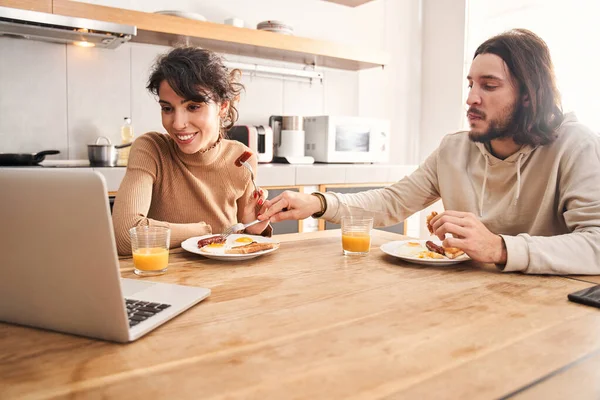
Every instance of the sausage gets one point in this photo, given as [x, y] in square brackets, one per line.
[434, 247]
[244, 157]
[211, 240]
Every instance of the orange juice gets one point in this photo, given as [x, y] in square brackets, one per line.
[151, 258]
[356, 242]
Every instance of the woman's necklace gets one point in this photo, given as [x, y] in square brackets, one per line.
[211, 146]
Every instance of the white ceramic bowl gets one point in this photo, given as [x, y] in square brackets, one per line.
[182, 14]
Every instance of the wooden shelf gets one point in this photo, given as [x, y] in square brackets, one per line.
[169, 30]
[32, 5]
[349, 3]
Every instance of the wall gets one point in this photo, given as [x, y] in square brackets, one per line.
[442, 107]
[443, 78]
[394, 92]
[63, 97]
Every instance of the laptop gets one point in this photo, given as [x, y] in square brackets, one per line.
[59, 268]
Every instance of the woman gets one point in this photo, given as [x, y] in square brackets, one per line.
[187, 180]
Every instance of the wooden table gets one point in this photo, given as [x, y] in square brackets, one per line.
[306, 322]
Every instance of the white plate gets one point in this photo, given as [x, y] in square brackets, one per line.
[282, 32]
[182, 14]
[218, 253]
[401, 250]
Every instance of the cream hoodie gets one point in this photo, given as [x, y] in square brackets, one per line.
[544, 201]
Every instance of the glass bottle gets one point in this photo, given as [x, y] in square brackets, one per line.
[126, 137]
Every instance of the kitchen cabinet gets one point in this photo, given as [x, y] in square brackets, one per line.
[32, 5]
[278, 228]
[285, 226]
[323, 225]
[277, 178]
[168, 30]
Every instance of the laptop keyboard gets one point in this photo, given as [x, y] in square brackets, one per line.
[138, 311]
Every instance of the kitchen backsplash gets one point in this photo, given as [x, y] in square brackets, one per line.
[63, 97]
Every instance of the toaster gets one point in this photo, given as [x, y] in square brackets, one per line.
[258, 138]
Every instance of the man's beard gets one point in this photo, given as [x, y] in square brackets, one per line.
[501, 127]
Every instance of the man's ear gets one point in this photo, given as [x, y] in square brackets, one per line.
[525, 100]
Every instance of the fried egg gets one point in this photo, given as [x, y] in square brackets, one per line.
[411, 249]
[244, 239]
[214, 248]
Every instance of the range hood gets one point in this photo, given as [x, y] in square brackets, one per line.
[54, 28]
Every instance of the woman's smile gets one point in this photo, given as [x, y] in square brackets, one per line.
[185, 138]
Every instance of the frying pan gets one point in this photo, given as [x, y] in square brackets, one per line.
[19, 159]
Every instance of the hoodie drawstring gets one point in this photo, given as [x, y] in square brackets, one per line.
[483, 186]
[518, 177]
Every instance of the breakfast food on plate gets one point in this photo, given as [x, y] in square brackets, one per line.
[450, 252]
[235, 244]
[251, 248]
[244, 157]
[214, 246]
[453, 252]
[429, 218]
[428, 250]
[211, 240]
[434, 247]
[429, 254]
[411, 249]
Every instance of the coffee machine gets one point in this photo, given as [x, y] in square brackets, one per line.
[288, 139]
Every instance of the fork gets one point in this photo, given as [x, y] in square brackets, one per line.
[238, 227]
[249, 168]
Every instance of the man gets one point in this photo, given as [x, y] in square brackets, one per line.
[521, 189]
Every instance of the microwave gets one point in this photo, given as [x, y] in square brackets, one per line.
[336, 139]
[258, 138]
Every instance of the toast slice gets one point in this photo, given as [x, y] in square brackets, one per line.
[253, 247]
[429, 218]
[453, 252]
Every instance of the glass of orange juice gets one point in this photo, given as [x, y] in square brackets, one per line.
[150, 249]
[356, 235]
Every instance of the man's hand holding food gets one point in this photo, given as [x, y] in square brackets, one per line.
[469, 234]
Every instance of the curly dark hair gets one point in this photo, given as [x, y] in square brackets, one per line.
[201, 76]
[528, 59]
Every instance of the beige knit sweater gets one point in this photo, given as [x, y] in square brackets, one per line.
[193, 194]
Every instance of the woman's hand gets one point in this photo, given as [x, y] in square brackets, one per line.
[250, 211]
[289, 205]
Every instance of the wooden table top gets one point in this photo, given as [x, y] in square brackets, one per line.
[306, 322]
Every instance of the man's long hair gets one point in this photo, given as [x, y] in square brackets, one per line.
[528, 59]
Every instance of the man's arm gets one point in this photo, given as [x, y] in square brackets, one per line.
[390, 205]
[572, 253]
[577, 252]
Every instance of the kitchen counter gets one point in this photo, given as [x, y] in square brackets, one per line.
[279, 175]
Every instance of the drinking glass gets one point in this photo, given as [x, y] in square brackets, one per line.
[150, 249]
[356, 235]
